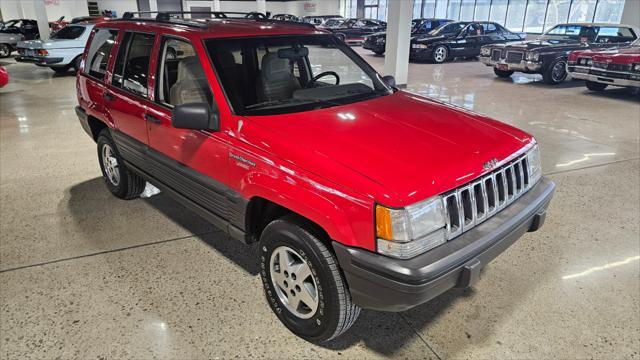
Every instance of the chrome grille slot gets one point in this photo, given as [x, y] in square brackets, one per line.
[495, 54]
[514, 57]
[476, 202]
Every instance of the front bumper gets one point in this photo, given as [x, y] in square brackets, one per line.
[39, 60]
[421, 54]
[386, 284]
[522, 66]
[374, 46]
[605, 77]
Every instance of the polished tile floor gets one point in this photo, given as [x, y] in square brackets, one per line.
[84, 275]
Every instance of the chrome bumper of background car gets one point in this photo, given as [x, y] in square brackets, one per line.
[606, 80]
[524, 66]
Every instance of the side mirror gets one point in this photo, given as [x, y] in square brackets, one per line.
[389, 80]
[195, 116]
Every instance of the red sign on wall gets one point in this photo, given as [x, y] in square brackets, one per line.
[309, 7]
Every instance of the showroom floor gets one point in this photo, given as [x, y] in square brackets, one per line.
[85, 275]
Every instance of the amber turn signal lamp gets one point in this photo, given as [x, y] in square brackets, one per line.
[384, 230]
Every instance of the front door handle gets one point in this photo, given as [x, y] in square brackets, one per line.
[108, 96]
[152, 118]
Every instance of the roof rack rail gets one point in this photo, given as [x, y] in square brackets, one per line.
[170, 16]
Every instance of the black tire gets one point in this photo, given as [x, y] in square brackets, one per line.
[129, 185]
[5, 50]
[60, 69]
[439, 59]
[335, 312]
[75, 64]
[503, 73]
[595, 86]
[379, 52]
[556, 72]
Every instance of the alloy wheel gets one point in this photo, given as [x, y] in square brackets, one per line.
[110, 164]
[440, 54]
[4, 50]
[294, 282]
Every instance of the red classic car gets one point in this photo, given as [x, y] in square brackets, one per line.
[601, 68]
[4, 77]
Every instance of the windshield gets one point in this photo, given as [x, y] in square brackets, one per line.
[334, 22]
[448, 29]
[636, 43]
[69, 32]
[11, 23]
[287, 74]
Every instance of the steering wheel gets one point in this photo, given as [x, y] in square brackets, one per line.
[323, 74]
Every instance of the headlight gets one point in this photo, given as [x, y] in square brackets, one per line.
[535, 166]
[636, 67]
[405, 233]
[533, 56]
[485, 51]
[419, 46]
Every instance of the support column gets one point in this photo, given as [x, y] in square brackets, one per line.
[216, 5]
[396, 61]
[40, 12]
[261, 6]
[631, 13]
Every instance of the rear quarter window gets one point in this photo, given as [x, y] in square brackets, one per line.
[99, 52]
[615, 34]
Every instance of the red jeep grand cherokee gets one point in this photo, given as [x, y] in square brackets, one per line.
[359, 194]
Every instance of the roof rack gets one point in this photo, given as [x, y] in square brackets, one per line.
[171, 16]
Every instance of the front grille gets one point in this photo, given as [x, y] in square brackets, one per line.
[479, 200]
[514, 57]
[495, 54]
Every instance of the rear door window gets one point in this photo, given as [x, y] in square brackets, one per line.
[99, 52]
[615, 34]
[131, 70]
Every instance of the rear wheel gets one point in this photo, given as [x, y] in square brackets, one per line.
[440, 54]
[556, 73]
[503, 73]
[5, 50]
[595, 86]
[119, 180]
[302, 282]
[379, 52]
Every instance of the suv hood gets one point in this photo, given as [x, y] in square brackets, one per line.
[402, 147]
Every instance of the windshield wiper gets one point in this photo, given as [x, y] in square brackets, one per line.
[269, 103]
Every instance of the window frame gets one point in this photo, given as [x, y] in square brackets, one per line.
[108, 68]
[160, 65]
[121, 88]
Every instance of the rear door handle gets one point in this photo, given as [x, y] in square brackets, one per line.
[152, 118]
[108, 96]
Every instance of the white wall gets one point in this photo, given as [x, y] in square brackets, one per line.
[298, 7]
[631, 13]
[13, 9]
[120, 6]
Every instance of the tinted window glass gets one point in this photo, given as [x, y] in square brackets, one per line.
[99, 51]
[69, 32]
[180, 75]
[132, 64]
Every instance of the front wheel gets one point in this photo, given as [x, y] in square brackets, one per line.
[119, 180]
[503, 73]
[556, 73]
[440, 54]
[379, 52]
[302, 282]
[596, 86]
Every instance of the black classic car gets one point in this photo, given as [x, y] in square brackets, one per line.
[319, 20]
[287, 17]
[459, 39]
[26, 27]
[548, 54]
[354, 30]
[377, 42]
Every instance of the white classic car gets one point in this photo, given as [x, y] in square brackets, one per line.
[63, 51]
